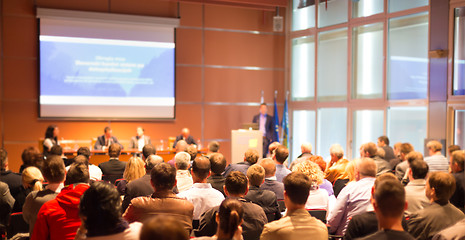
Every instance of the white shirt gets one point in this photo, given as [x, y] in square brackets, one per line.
[141, 143]
[184, 179]
[203, 197]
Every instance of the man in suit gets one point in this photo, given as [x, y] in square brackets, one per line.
[186, 136]
[13, 180]
[104, 141]
[139, 141]
[113, 169]
[271, 183]
[266, 126]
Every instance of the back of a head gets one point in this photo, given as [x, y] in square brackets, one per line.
[269, 165]
[380, 152]
[30, 156]
[256, 175]
[419, 168]
[182, 160]
[390, 198]
[148, 150]
[192, 151]
[213, 146]
[56, 150]
[135, 168]
[366, 167]
[406, 148]
[81, 159]
[319, 161]
[251, 156]
[230, 215]
[458, 157]
[163, 177]
[281, 154]
[54, 170]
[100, 207]
[453, 148]
[272, 147]
[114, 150]
[384, 139]
[201, 167]
[297, 187]
[151, 161]
[236, 183]
[32, 177]
[383, 177]
[3, 158]
[443, 185]
[217, 163]
[181, 146]
[163, 228]
[84, 151]
[77, 173]
[306, 147]
[371, 148]
[413, 155]
[312, 171]
[337, 150]
[434, 145]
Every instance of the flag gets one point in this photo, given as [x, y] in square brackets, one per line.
[276, 120]
[285, 125]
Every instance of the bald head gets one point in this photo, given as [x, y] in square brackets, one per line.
[185, 132]
[151, 161]
[306, 147]
[270, 167]
[365, 167]
[181, 146]
[201, 168]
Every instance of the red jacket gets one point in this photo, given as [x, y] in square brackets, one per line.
[58, 219]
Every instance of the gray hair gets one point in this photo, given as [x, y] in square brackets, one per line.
[182, 160]
[336, 149]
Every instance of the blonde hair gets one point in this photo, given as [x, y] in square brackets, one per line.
[434, 145]
[134, 169]
[350, 169]
[32, 178]
[312, 170]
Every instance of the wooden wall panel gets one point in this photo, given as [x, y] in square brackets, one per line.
[238, 18]
[144, 7]
[23, 73]
[81, 5]
[20, 36]
[191, 14]
[188, 46]
[188, 84]
[18, 7]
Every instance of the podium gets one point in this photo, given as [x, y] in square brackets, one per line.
[242, 140]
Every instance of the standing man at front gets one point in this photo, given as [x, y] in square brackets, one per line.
[266, 126]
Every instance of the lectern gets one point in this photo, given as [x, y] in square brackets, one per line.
[241, 140]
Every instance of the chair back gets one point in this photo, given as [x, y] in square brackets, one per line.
[319, 214]
[17, 225]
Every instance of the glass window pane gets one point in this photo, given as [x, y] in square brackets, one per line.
[459, 131]
[368, 126]
[408, 57]
[363, 8]
[407, 124]
[459, 52]
[303, 130]
[303, 68]
[332, 65]
[367, 51]
[335, 13]
[303, 14]
[399, 5]
[332, 128]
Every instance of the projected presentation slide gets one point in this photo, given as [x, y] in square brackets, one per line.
[102, 78]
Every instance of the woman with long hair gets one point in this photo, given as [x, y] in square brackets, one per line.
[32, 181]
[134, 169]
[51, 138]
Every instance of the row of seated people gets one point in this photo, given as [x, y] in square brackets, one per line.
[353, 199]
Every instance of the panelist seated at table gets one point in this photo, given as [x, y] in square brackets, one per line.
[139, 141]
[104, 141]
[185, 135]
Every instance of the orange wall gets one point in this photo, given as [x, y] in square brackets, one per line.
[210, 101]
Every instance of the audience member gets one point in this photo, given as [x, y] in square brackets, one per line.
[298, 223]
[337, 166]
[341, 183]
[58, 151]
[13, 180]
[186, 136]
[456, 166]
[106, 140]
[100, 212]
[148, 150]
[318, 198]
[218, 164]
[425, 223]
[306, 149]
[141, 186]
[54, 173]
[140, 140]
[213, 147]
[58, 219]
[369, 150]
[272, 148]
[183, 176]
[383, 142]
[236, 187]
[181, 146]
[454, 232]
[415, 189]
[135, 169]
[401, 168]
[163, 202]
[6, 204]
[266, 125]
[250, 158]
[452, 148]
[192, 151]
[113, 169]
[354, 198]
[393, 162]
[32, 181]
[436, 161]
[95, 173]
[263, 198]
[51, 138]
[31, 157]
[325, 184]
[163, 228]
[281, 154]
[201, 194]
[271, 183]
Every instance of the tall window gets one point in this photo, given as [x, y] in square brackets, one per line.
[459, 52]
[368, 125]
[407, 124]
[332, 128]
[303, 68]
[304, 130]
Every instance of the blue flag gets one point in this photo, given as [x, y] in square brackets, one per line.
[276, 120]
[285, 125]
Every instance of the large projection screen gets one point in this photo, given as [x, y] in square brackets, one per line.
[106, 66]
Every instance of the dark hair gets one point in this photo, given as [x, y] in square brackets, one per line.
[453, 148]
[84, 151]
[262, 104]
[281, 154]
[54, 169]
[114, 150]
[163, 228]
[217, 163]
[49, 132]
[30, 156]
[384, 139]
[148, 150]
[297, 186]
[236, 183]
[390, 197]
[213, 146]
[163, 176]
[81, 159]
[443, 184]
[406, 148]
[106, 129]
[370, 148]
[251, 156]
[201, 167]
[3, 158]
[101, 206]
[230, 214]
[192, 151]
[56, 150]
[419, 168]
[77, 173]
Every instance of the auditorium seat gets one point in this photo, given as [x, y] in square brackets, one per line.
[17, 225]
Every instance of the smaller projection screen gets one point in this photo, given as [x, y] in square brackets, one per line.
[106, 66]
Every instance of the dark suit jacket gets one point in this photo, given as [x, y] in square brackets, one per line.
[135, 142]
[13, 180]
[458, 198]
[112, 170]
[101, 142]
[189, 140]
[269, 127]
[217, 183]
[137, 188]
[265, 199]
[274, 186]
[241, 167]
